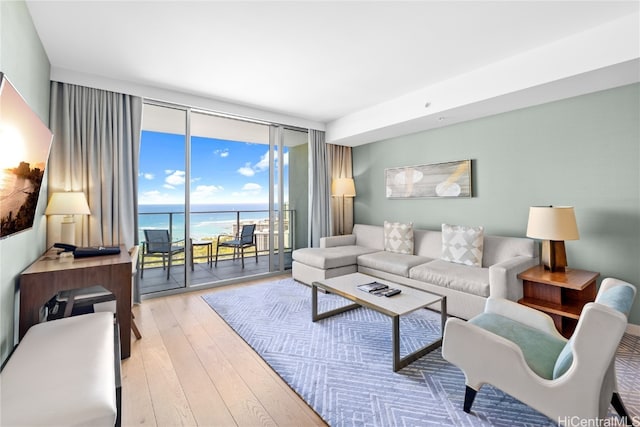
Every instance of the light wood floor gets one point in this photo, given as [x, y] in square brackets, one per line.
[190, 368]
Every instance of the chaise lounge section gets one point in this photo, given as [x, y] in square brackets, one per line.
[424, 265]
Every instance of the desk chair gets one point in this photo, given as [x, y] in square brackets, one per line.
[246, 239]
[95, 298]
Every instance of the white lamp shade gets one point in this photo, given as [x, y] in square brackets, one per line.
[343, 187]
[552, 223]
[68, 203]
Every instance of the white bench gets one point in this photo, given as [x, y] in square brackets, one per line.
[64, 372]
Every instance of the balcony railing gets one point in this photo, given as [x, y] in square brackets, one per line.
[208, 225]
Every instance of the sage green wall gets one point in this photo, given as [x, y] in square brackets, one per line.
[299, 191]
[25, 63]
[582, 151]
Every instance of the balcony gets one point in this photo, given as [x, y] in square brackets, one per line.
[204, 270]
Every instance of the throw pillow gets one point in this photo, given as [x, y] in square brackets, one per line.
[398, 237]
[462, 245]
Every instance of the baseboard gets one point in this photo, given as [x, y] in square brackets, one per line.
[633, 329]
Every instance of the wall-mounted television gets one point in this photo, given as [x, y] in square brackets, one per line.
[24, 149]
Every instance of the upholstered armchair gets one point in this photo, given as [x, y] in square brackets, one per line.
[518, 350]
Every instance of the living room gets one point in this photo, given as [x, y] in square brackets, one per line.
[558, 148]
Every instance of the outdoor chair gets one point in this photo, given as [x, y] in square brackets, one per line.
[158, 243]
[518, 350]
[245, 240]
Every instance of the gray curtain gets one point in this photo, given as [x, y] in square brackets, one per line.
[96, 150]
[341, 166]
[319, 189]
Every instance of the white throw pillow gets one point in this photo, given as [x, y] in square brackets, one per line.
[462, 245]
[398, 237]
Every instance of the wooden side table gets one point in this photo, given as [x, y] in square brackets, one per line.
[560, 294]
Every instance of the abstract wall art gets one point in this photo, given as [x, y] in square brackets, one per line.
[450, 179]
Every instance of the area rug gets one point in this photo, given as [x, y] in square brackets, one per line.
[342, 366]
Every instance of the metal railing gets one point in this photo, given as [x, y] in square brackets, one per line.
[208, 225]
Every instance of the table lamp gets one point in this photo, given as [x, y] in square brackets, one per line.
[68, 204]
[343, 187]
[553, 225]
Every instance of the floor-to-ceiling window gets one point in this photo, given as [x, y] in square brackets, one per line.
[206, 176]
[161, 196]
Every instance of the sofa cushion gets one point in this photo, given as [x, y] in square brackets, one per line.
[390, 262]
[472, 280]
[540, 350]
[462, 244]
[398, 237]
[496, 249]
[427, 243]
[338, 256]
[369, 236]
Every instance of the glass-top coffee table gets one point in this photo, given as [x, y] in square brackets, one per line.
[408, 300]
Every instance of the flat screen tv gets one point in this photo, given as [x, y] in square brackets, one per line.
[24, 149]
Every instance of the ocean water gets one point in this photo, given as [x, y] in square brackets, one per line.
[207, 221]
[14, 191]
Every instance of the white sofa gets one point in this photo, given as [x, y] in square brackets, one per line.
[466, 287]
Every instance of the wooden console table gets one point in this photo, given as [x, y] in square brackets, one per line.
[560, 294]
[49, 274]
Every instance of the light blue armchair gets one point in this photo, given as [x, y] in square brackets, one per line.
[519, 350]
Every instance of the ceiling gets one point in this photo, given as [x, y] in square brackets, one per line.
[318, 61]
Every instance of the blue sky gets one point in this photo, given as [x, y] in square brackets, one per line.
[222, 172]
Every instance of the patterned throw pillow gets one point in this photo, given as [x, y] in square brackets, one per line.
[462, 245]
[398, 237]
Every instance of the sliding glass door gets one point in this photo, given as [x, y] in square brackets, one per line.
[161, 195]
[229, 192]
[228, 174]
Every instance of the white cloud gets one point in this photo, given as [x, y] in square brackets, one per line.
[246, 170]
[148, 176]
[205, 193]
[263, 164]
[251, 186]
[168, 171]
[155, 197]
[222, 153]
[175, 178]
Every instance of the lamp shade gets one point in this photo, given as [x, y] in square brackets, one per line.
[343, 187]
[68, 203]
[552, 223]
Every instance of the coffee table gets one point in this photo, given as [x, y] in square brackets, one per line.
[408, 300]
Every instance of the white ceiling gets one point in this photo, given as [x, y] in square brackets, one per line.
[331, 63]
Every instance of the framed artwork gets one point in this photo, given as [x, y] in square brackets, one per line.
[450, 179]
[24, 149]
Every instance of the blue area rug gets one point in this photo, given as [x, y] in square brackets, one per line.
[342, 366]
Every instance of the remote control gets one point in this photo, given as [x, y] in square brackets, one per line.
[392, 292]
